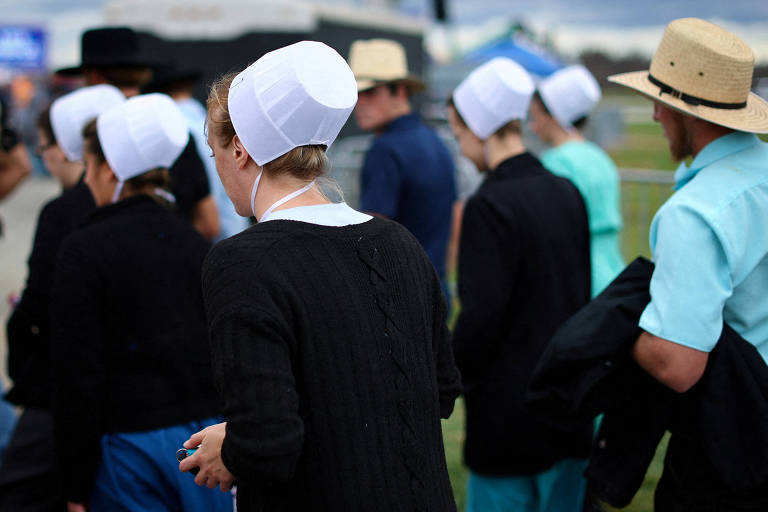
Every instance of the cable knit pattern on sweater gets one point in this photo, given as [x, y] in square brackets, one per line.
[331, 355]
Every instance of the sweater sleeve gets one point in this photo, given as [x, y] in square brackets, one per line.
[253, 373]
[79, 376]
[486, 275]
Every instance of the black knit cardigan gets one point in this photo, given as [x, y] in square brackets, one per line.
[129, 344]
[331, 354]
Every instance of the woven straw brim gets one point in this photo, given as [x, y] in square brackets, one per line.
[753, 118]
[412, 83]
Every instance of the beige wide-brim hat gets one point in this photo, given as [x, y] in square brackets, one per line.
[702, 70]
[381, 61]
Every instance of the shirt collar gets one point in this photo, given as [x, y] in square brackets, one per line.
[712, 152]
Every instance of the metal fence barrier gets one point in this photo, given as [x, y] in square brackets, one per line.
[642, 191]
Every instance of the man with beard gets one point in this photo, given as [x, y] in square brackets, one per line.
[709, 242]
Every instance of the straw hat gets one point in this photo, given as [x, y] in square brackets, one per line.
[381, 61]
[704, 71]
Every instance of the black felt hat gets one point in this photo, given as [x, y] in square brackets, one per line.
[163, 77]
[111, 47]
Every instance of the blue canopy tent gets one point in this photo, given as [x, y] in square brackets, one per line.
[533, 58]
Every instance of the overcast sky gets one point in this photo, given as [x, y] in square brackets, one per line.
[615, 25]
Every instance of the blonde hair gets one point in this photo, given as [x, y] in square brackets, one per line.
[303, 162]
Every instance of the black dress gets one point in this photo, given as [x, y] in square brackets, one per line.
[523, 270]
[129, 342]
[28, 477]
[28, 326]
[334, 363]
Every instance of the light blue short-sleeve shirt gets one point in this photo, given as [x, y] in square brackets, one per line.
[710, 246]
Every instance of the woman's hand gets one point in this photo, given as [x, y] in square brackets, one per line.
[75, 507]
[213, 472]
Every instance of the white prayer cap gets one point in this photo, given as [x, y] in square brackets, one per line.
[492, 95]
[569, 94]
[298, 95]
[73, 111]
[143, 133]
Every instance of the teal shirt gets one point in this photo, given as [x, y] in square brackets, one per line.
[710, 245]
[594, 174]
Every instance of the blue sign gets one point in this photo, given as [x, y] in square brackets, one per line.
[22, 48]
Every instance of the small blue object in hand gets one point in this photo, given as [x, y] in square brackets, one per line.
[183, 453]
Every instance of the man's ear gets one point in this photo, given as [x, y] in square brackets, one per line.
[239, 153]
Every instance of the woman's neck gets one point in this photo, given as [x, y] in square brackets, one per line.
[498, 149]
[273, 189]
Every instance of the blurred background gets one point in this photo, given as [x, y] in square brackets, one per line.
[444, 40]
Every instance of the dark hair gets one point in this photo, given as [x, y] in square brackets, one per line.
[578, 123]
[513, 127]
[302, 162]
[44, 124]
[91, 142]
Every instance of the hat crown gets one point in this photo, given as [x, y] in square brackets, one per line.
[570, 94]
[298, 95]
[72, 112]
[492, 95]
[378, 59]
[704, 60]
[143, 133]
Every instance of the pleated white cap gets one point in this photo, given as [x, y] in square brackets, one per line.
[492, 95]
[298, 95]
[72, 112]
[143, 133]
[569, 94]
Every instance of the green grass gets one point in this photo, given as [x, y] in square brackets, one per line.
[643, 147]
[453, 438]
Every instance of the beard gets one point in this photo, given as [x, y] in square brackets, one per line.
[681, 139]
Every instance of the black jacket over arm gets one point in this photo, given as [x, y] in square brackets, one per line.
[523, 269]
[719, 427]
[334, 363]
[129, 340]
[28, 326]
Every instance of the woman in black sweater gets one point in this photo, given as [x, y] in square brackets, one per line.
[130, 353]
[327, 326]
[27, 466]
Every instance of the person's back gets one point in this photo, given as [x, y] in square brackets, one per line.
[418, 188]
[542, 267]
[588, 167]
[408, 174]
[362, 429]
[28, 326]
[138, 266]
[523, 269]
[559, 111]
